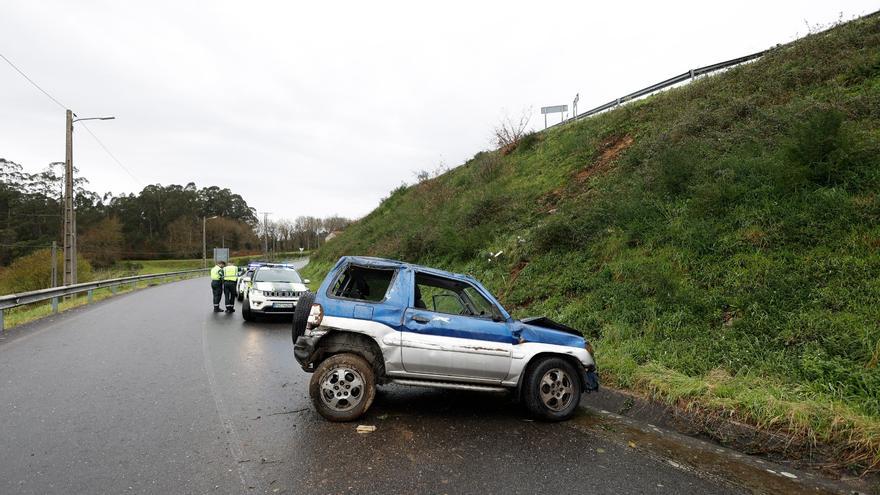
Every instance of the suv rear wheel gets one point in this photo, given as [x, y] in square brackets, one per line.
[343, 387]
[552, 389]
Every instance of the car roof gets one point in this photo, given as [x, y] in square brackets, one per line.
[388, 263]
[277, 265]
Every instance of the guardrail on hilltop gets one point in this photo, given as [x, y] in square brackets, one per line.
[691, 74]
[54, 293]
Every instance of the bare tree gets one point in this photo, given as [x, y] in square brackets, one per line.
[509, 131]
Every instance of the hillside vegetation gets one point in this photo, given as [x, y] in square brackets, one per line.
[718, 242]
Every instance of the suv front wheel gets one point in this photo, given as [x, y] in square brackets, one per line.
[552, 389]
[343, 387]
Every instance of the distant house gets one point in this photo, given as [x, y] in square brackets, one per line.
[333, 234]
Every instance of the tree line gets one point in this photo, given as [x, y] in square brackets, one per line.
[157, 222]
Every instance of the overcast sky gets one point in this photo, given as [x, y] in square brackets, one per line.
[320, 108]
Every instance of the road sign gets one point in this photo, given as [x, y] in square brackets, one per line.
[554, 109]
[221, 254]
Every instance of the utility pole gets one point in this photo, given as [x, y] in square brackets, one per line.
[54, 264]
[204, 243]
[266, 233]
[69, 213]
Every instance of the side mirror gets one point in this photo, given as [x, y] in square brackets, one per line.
[306, 281]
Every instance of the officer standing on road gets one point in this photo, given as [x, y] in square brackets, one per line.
[217, 284]
[230, 277]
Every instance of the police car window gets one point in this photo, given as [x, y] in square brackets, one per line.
[362, 283]
[288, 275]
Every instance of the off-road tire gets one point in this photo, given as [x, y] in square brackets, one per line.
[301, 314]
[246, 312]
[343, 379]
[552, 390]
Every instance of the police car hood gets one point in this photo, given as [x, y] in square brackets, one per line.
[280, 286]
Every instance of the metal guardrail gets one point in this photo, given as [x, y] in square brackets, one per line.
[691, 74]
[54, 293]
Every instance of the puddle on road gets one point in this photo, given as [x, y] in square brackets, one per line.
[700, 457]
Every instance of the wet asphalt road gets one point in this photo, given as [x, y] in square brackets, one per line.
[150, 392]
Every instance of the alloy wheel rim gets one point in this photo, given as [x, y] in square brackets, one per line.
[342, 389]
[556, 389]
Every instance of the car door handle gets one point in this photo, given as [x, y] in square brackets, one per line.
[420, 319]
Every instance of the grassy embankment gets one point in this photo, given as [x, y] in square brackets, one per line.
[718, 242]
[24, 314]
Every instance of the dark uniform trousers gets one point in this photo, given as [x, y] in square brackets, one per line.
[229, 291]
[217, 289]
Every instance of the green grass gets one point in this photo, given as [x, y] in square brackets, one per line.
[727, 228]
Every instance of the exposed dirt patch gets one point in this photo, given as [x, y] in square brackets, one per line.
[608, 153]
[514, 274]
[604, 159]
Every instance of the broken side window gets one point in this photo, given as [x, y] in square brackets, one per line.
[363, 284]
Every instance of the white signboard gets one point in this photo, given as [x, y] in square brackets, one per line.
[554, 109]
[221, 254]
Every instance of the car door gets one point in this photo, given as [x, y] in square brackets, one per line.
[437, 341]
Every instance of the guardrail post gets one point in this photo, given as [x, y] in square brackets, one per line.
[89, 293]
[692, 74]
[1, 321]
[55, 305]
[113, 289]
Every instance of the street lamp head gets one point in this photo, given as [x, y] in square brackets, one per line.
[95, 118]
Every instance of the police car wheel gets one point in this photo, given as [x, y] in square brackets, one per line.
[246, 312]
[301, 314]
[343, 387]
[552, 389]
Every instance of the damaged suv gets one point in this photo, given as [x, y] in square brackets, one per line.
[375, 321]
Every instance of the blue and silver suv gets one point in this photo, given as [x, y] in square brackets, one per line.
[376, 321]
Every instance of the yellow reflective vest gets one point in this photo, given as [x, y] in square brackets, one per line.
[230, 273]
[216, 273]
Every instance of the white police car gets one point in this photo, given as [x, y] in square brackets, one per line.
[274, 289]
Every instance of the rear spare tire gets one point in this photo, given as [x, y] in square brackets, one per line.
[343, 387]
[301, 314]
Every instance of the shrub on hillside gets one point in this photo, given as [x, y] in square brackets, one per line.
[818, 145]
[34, 272]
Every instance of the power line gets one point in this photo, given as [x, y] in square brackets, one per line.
[62, 105]
[100, 143]
[65, 107]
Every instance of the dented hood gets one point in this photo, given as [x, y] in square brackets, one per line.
[541, 329]
[544, 322]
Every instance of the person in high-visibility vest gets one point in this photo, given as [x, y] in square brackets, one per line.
[217, 284]
[230, 277]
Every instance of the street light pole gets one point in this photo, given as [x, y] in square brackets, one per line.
[69, 212]
[204, 240]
